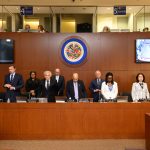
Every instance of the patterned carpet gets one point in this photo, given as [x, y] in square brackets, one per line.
[122, 144]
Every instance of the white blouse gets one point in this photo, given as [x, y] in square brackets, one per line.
[109, 93]
[139, 91]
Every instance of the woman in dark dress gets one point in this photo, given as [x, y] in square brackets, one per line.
[33, 85]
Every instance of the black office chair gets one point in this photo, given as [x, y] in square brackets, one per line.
[127, 94]
[2, 97]
[60, 99]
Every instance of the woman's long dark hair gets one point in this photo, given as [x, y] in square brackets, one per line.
[31, 73]
[106, 77]
[137, 80]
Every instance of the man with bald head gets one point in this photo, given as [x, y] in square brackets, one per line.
[95, 87]
[75, 88]
[60, 82]
[48, 86]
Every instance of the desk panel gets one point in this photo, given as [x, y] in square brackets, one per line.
[73, 120]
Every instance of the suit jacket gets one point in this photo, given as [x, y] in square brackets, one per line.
[50, 93]
[93, 86]
[60, 85]
[107, 94]
[17, 82]
[70, 90]
[139, 91]
[33, 85]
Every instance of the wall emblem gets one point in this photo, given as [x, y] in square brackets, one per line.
[74, 51]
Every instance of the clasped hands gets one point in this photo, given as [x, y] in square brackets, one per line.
[97, 90]
[9, 86]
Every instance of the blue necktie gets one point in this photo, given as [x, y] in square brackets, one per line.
[11, 77]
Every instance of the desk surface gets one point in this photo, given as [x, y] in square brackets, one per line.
[72, 120]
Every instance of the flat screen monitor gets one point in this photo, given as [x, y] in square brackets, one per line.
[142, 50]
[6, 51]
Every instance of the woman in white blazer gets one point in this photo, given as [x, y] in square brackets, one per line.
[109, 88]
[139, 88]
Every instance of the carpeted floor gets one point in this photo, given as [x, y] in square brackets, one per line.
[73, 144]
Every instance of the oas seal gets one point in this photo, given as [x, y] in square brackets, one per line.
[74, 51]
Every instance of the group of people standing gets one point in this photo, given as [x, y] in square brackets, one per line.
[54, 85]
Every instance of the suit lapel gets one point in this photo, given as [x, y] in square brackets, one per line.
[96, 83]
[78, 85]
[9, 78]
[44, 84]
[59, 80]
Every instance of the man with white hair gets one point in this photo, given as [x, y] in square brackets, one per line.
[75, 88]
[95, 87]
[48, 86]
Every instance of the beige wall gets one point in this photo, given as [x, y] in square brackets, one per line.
[5, 22]
[32, 22]
[114, 22]
[143, 21]
[75, 3]
[37, 19]
[68, 26]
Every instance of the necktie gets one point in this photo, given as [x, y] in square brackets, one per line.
[141, 84]
[98, 82]
[48, 84]
[11, 77]
[76, 90]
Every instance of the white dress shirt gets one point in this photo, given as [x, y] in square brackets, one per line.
[12, 76]
[57, 78]
[76, 94]
[139, 91]
[107, 93]
[46, 84]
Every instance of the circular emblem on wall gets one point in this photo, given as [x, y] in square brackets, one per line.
[74, 51]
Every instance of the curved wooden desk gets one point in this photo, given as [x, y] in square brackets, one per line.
[147, 130]
[73, 120]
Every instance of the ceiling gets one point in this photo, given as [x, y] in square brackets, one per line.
[73, 10]
[75, 2]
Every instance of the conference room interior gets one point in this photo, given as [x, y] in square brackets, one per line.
[36, 124]
[73, 19]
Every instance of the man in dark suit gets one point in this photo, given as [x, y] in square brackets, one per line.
[75, 88]
[13, 84]
[95, 87]
[60, 82]
[48, 87]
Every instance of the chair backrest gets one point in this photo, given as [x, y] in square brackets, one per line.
[127, 94]
[21, 99]
[60, 99]
[90, 99]
[84, 100]
[42, 100]
[122, 98]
